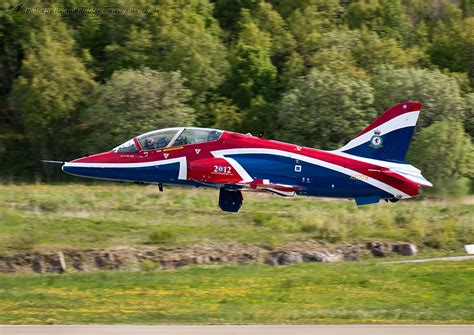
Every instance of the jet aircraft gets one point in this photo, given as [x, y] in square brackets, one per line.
[369, 168]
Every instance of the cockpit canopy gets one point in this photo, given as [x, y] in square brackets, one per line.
[169, 137]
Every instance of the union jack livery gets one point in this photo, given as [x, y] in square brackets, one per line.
[368, 168]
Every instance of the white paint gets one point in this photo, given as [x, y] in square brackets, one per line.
[280, 192]
[371, 181]
[406, 170]
[240, 170]
[183, 169]
[401, 121]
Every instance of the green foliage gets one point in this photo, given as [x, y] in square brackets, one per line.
[469, 116]
[385, 17]
[335, 59]
[444, 152]
[439, 93]
[311, 19]
[51, 91]
[188, 39]
[441, 235]
[252, 71]
[372, 51]
[252, 84]
[253, 74]
[270, 21]
[326, 230]
[161, 236]
[240, 61]
[227, 115]
[329, 106]
[135, 101]
[453, 46]
[135, 52]
[23, 243]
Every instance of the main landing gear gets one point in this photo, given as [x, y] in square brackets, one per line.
[230, 201]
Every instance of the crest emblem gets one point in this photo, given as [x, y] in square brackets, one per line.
[376, 141]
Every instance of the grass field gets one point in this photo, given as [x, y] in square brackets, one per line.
[362, 292]
[50, 217]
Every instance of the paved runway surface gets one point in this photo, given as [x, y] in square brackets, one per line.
[237, 330]
[452, 258]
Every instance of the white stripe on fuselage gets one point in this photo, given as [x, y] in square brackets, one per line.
[183, 169]
[371, 181]
[240, 170]
[406, 170]
[402, 121]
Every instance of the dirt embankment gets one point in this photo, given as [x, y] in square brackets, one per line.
[134, 259]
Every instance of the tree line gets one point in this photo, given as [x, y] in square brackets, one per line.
[313, 72]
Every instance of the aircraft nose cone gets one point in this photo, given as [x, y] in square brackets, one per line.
[87, 166]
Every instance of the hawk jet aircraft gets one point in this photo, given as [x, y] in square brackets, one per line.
[369, 168]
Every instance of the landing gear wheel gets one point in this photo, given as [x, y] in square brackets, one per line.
[230, 201]
[394, 199]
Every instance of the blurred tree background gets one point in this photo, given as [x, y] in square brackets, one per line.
[313, 72]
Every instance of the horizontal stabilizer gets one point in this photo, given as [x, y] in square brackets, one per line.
[360, 201]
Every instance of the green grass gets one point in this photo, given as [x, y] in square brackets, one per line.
[362, 292]
[50, 217]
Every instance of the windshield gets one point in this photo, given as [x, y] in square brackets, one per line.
[128, 146]
[157, 139]
[196, 135]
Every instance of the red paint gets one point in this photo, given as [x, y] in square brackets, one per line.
[392, 113]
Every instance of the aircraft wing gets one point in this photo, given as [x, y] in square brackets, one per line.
[264, 185]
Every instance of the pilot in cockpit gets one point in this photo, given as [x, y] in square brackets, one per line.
[162, 142]
[213, 136]
[148, 143]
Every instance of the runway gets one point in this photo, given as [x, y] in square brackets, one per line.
[240, 330]
[422, 260]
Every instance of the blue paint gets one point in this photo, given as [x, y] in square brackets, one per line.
[314, 180]
[151, 174]
[281, 170]
[394, 146]
[360, 201]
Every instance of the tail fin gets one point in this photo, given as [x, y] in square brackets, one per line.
[388, 137]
